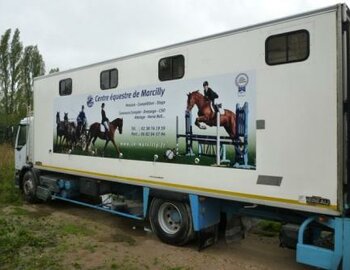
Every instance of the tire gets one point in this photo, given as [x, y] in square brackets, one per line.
[171, 221]
[29, 186]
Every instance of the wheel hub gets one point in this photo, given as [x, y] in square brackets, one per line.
[169, 218]
[28, 186]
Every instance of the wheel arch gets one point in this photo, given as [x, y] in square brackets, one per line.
[36, 174]
[166, 195]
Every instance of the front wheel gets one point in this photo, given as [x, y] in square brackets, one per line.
[29, 186]
[171, 221]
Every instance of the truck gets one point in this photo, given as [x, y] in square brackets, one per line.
[252, 122]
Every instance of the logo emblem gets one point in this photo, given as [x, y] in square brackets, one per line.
[90, 101]
[241, 82]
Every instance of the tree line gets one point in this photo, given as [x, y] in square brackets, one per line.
[19, 65]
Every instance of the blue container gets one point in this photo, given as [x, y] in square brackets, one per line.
[60, 183]
[68, 194]
[70, 185]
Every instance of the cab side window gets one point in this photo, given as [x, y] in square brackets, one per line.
[22, 136]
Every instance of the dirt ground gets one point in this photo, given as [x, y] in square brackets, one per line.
[96, 240]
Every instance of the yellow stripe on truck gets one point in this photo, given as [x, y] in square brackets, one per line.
[184, 187]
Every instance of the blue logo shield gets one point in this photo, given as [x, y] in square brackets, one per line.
[241, 82]
[90, 101]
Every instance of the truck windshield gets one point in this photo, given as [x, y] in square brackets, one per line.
[22, 136]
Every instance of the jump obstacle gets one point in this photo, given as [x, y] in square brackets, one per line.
[215, 146]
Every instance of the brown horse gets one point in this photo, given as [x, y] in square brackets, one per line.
[207, 116]
[95, 132]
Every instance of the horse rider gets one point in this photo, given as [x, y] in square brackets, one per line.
[65, 120]
[210, 95]
[105, 120]
[81, 119]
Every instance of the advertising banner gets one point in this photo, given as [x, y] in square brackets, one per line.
[173, 121]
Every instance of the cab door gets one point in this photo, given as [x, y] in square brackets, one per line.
[21, 147]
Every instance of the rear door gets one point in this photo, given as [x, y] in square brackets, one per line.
[346, 86]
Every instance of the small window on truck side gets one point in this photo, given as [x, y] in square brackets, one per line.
[171, 68]
[109, 79]
[287, 47]
[65, 87]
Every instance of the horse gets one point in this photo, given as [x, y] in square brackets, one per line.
[80, 135]
[80, 129]
[69, 131]
[60, 129]
[95, 132]
[207, 116]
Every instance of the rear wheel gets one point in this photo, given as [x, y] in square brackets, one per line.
[29, 185]
[171, 221]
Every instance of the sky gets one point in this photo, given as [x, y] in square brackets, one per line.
[73, 33]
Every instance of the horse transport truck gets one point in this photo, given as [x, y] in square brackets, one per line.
[252, 122]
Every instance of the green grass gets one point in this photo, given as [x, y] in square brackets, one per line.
[268, 228]
[178, 268]
[76, 265]
[155, 261]
[18, 211]
[90, 247]
[27, 241]
[119, 237]
[31, 238]
[148, 153]
[74, 229]
[23, 242]
[9, 194]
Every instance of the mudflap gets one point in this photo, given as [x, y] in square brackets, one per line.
[208, 237]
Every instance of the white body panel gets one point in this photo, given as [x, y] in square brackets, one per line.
[298, 102]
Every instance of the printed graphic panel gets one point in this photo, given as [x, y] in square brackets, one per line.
[174, 121]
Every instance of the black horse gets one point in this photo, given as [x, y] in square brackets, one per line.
[60, 129]
[70, 131]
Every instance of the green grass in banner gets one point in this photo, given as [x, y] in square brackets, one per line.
[147, 153]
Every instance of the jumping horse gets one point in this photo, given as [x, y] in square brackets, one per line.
[207, 115]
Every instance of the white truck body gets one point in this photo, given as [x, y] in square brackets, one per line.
[301, 105]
